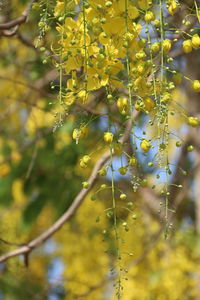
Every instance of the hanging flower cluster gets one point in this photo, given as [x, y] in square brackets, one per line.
[105, 46]
[97, 42]
[124, 50]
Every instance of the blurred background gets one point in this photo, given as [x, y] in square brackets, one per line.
[40, 176]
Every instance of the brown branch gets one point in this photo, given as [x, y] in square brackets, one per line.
[9, 33]
[22, 19]
[29, 247]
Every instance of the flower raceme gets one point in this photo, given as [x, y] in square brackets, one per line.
[116, 57]
[103, 41]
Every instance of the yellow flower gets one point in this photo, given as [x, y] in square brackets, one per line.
[79, 133]
[141, 68]
[108, 4]
[167, 44]
[145, 145]
[172, 7]
[140, 55]
[187, 46]
[69, 99]
[133, 12]
[114, 26]
[108, 137]
[195, 41]
[59, 8]
[149, 104]
[86, 159]
[85, 184]
[137, 106]
[196, 85]
[194, 122]
[166, 97]
[82, 164]
[143, 4]
[123, 196]
[157, 23]
[118, 9]
[155, 47]
[122, 104]
[104, 39]
[149, 16]
[73, 62]
[102, 172]
[122, 170]
[82, 96]
[72, 83]
[132, 161]
[76, 134]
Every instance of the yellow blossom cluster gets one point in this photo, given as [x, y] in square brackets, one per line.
[95, 46]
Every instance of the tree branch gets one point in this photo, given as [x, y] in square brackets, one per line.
[29, 247]
[22, 19]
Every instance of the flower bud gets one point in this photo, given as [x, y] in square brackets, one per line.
[155, 47]
[178, 144]
[167, 44]
[196, 85]
[122, 104]
[76, 134]
[103, 186]
[195, 41]
[85, 184]
[187, 46]
[157, 23]
[108, 137]
[132, 161]
[194, 122]
[102, 172]
[82, 164]
[122, 170]
[108, 4]
[190, 148]
[145, 145]
[86, 159]
[123, 196]
[149, 16]
[166, 97]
